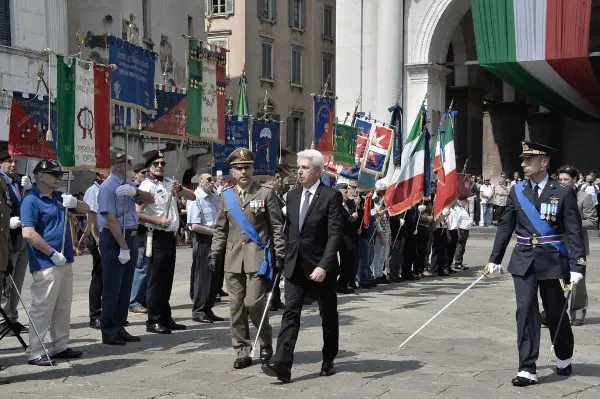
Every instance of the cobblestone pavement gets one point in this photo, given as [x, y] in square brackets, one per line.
[467, 352]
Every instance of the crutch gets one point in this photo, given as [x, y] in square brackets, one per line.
[14, 287]
[264, 315]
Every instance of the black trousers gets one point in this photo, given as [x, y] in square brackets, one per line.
[161, 267]
[410, 256]
[348, 266]
[95, 294]
[461, 246]
[438, 259]
[421, 242]
[205, 280]
[451, 248]
[192, 273]
[296, 289]
[396, 257]
[528, 319]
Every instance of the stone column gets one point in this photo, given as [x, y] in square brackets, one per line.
[369, 59]
[56, 17]
[389, 77]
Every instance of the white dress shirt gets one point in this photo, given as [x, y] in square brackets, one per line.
[453, 220]
[161, 191]
[91, 197]
[313, 190]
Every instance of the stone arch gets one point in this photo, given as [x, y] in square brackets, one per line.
[437, 19]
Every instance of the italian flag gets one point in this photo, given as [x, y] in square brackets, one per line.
[407, 185]
[444, 166]
[541, 47]
[83, 108]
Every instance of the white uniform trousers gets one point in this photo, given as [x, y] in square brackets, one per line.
[52, 294]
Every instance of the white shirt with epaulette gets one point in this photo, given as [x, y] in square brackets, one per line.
[161, 191]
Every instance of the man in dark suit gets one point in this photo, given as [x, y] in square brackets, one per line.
[313, 235]
[541, 211]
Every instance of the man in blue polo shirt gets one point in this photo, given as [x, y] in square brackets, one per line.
[117, 197]
[50, 262]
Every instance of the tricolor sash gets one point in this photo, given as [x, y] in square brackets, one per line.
[266, 267]
[542, 226]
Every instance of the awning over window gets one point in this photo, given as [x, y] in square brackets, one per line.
[541, 48]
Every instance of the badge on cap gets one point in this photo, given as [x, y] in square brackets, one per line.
[242, 155]
[160, 154]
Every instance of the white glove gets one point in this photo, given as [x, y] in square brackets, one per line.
[401, 223]
[58, 258]
[492, 270]
[124, 256]
[69, 201]
[15, 222]
[26, 183]
[576, 277]
[126, 190]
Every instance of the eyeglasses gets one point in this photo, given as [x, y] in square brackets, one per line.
[209, 179]
[161, 163]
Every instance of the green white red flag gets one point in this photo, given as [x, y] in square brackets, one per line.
[444, 166]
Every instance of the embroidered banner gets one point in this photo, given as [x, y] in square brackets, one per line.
[345, 144]
[364, 130]
[133, 81]
[324, 114]
[28, 127]
[378, 149]
[193, 121]
[169, 121]
[238, 135]
[265, 143]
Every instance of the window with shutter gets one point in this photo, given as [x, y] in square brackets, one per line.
[297, 14]
[295, 131]
[5, 37]
[219, 8]
[267, 10]
[327, 68]
[267, 61]
[296, 66]
[328, 22]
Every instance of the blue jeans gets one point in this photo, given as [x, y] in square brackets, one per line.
[364, 260]
[487, 213]
[116, 283]
[138, 287]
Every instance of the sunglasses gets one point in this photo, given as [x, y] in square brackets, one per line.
[54, 174]
[161, 163]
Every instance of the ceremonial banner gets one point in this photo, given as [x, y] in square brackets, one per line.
[396, 125]
[169, 121]
[83, 105]
[345, 144]
[238, 134]
[378, 150]
[324, 114]
[193, 121]
[242, 104]
[464, 184]
[265, 143]
[362, 138]
[28, 126]
[444, 166]
[133, 81]
[408, 182]
[221, 91]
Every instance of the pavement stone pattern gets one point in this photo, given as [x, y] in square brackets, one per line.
[467, 352]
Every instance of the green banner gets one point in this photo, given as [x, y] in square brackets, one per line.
[345, 145]
[193, 120]
[65, 105]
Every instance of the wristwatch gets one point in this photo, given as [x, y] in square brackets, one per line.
[51, 253]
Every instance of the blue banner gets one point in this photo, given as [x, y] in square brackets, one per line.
[265, 145]
[237, 135]
[396, 124]
[324, 119]
[132, 84]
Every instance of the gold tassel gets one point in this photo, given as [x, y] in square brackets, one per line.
[7, 117]
[49, 137]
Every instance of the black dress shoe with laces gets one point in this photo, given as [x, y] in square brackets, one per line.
[113, 341]
[203, 318]
[125, 336]
[68, 354]
[265, 353]
[523, 381]
[174, 326]
[41, 361]
[242, 363]
[223, 293]
[278, 371]
[213, 316]
[95, 324]
[565, 372]
[158, 328]
[327, 369]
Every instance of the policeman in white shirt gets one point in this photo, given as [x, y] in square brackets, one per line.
[162, 220]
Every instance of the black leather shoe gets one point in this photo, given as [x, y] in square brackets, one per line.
[327, 369]
[211, 315]
[278, 371]
[95, 324]
[343, 290]
[565, 372]
[125, 323]
[158, 328]
[203, 319]
[21, 329]
[242, 363]
[68, 354]
[114, 341]
[576, 322]
[522, 381]
[218, 298]
[125, 336]
[41, 361]
[174, 326]
[543, 319]
[265, 353]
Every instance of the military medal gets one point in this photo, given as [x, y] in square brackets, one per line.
[544, 211]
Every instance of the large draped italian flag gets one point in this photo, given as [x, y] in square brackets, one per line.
[541, 47]
[444, 166]
[83, 108]
[407, 184]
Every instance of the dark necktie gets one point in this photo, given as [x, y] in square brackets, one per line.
[535, 193]
[242, 196]
[304, 210]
